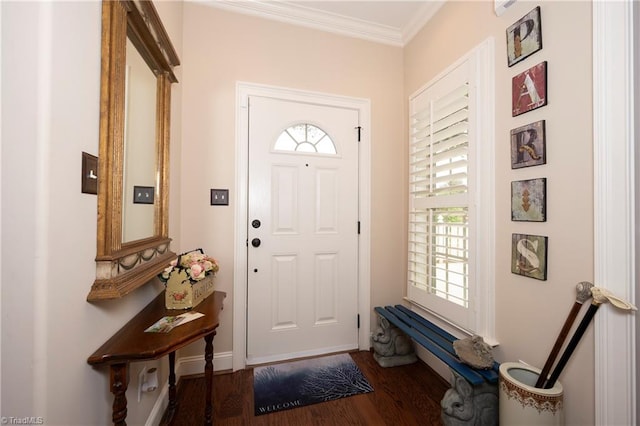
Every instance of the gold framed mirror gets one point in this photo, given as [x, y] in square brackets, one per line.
[133, 244]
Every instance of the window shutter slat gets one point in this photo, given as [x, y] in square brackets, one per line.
[451, 131]
[453, 96]
[448, 155]
[457, 116]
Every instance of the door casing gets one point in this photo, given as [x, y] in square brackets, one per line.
[243, 91]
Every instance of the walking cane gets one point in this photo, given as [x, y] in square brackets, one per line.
[583, 293]
[600, 296]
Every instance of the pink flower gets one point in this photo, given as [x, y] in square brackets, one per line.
[197, 272]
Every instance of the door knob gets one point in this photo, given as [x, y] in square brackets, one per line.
[256, 242]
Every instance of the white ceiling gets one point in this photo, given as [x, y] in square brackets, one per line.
[392, 22]
[394, 14]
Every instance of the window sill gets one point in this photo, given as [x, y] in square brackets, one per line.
[447, 325]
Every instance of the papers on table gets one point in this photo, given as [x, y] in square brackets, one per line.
[166, 324]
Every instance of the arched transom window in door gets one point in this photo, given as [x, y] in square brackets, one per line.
[305, 138]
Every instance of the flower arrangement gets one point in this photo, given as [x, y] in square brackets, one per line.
[195, 263]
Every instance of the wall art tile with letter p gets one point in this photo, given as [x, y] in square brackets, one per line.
[524, 37]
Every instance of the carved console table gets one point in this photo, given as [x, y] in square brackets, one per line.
[132, 344]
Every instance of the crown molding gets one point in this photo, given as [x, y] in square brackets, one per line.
[420, 19]
[330, 22]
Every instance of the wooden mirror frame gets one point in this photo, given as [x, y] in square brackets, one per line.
[123, 267]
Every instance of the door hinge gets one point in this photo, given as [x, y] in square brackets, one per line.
[359, 131]
[358, 227]
[358, 320]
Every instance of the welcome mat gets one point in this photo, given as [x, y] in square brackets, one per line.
[299, 383]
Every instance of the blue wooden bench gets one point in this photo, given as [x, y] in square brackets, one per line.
[440, 343]
[437, 341]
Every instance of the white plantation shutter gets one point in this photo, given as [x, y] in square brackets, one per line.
[438, 222]
[444, 193]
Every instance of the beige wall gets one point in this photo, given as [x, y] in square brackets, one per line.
[50, 78]
[222, 48]
[50, 114]
[529, 313]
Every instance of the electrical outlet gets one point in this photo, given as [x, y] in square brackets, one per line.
[141, 377]
[219, 197]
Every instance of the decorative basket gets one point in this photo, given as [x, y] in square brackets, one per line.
[189, 280]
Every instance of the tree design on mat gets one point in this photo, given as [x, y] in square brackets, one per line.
[266, 376]
[333, 382]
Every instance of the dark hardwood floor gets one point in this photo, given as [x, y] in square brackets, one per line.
[405, 395]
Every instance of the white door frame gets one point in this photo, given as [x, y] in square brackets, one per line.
[243, 91]
[614, 209]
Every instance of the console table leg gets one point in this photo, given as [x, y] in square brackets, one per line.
[208, 374]
[172, 385]
[118, 389]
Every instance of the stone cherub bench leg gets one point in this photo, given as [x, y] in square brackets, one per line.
[391, 346]
[466, 404]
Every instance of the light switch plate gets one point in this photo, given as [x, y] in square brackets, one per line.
[143, 194]
[219, 197]
[89, 181]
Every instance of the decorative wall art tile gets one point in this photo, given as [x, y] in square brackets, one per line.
[529, 256]
[529, 200]
[528, 145]
[524, 37]
[529, 89]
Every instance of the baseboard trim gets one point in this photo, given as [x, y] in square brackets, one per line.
[186, 366]
[189, 365]
[159, 407]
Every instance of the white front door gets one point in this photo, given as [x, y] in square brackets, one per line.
[302, 259]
